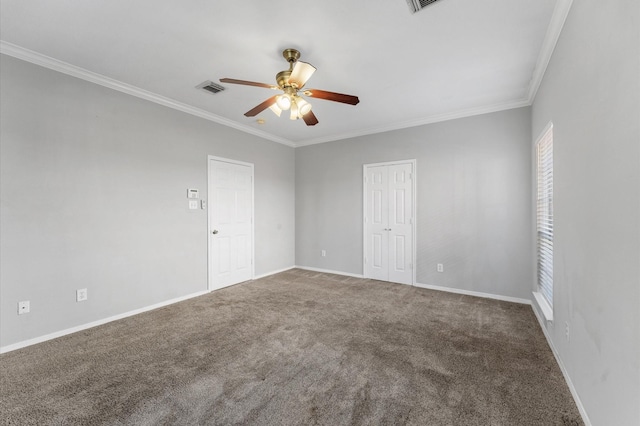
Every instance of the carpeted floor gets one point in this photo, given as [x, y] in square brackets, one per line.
[297, 348]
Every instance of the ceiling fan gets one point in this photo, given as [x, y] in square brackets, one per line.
[291, 82]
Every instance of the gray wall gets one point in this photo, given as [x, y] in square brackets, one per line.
[93, 189]
[591, 92]
[473, 201]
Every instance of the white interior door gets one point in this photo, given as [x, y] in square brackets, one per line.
[388, 222]
[230, 222]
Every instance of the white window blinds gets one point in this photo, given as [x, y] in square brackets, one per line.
[544, 155]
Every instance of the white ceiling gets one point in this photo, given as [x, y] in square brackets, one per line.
[452, 59]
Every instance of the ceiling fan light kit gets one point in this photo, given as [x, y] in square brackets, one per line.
[283, 102]
[303, 106]
[291, 82]
[277, 111]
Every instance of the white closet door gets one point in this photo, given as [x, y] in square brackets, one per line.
[388, 220]
[377, 217]
[400, 227]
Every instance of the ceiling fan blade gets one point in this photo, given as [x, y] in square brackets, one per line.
[248, 83]
[310, 118]
[258, 109]
[332, 96]
[302, 71]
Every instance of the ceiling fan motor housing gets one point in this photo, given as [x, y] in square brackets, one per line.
[282, 78]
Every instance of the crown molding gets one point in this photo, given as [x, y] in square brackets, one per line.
[558, 18]
[552, 35]
[501, 106]
[74, 71]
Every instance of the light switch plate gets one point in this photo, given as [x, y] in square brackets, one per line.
[193, 204]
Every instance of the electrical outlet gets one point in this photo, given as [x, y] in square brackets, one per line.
[24, 307]
[567, 330]
[81, 295]
[440, 267]
[324, 253]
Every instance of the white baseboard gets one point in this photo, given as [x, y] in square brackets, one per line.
[475, 293]
[257, 277]
[329, 271]
[565, 373]
[61, 333]
[430, 287]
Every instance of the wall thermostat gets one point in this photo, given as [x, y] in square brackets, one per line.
[193, 193]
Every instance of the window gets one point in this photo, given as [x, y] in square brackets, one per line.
[544, 215]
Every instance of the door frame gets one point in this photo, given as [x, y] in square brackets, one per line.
[210, 286]
[414, 179]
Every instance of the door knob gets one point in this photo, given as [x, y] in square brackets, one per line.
[215, 231]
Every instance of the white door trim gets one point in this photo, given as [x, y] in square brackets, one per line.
[414, 180]
[210, 286]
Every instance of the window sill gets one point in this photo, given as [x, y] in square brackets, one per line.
[546, 309]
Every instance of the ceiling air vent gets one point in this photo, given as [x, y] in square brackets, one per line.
[210, 86]
[416, 5]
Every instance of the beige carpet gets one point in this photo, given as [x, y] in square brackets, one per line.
[297, 348]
